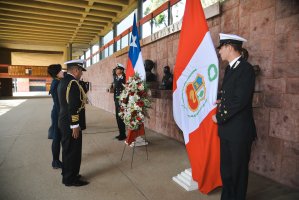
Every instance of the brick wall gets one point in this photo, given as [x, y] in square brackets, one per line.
[272, 30]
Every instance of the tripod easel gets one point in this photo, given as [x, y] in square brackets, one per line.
[134, 145]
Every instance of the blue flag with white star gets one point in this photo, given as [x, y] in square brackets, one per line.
[135, 61]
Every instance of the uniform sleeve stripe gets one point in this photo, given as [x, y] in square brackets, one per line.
[75, 118]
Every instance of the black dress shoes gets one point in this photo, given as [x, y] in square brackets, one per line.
[77, 183]
[116, 137]
[120, 138]
[56, 164]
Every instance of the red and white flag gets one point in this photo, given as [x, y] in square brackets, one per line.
[135, 62]
[194, 96]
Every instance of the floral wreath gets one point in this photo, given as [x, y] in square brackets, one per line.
[134, 102]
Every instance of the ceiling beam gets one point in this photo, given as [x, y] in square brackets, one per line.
[59, 22]
[53, 7]
[48, 18]
[26, 31]
[40, 5]
[43, 39]
[13, 44]
[41, 31]
[34, 39]
[101, 13]
[39, 11]
[38, 17]
[63, 33]
[80, 4]
[51, 24]
[48, 35]
[129, 9]
[113, 2]
[18, 44]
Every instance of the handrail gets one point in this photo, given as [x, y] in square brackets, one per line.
[142, 21]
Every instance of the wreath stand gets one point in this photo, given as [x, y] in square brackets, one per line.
[131, 140]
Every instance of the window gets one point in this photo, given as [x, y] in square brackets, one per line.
[121, 27]
[95, 58]
[160, 21]
[124, 41]
[146, 29]
[108, 37]
[125, 23]
[87, 56]
[178, 11]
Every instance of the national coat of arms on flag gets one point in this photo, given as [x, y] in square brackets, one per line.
[194, 96]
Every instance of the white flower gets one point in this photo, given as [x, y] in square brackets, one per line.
[132, 105]
[141, 87]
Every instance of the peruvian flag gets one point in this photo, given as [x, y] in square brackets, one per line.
[194, 96]
[135, 62]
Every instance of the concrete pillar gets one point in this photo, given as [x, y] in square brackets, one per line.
[114, 35]
[70, 55]
[90, 47]
[139, 16]
[65, 56]
[84, 53]
[169, 14]
[101, 43]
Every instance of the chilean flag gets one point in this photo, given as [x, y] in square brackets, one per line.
[135, 62]
[194, 96]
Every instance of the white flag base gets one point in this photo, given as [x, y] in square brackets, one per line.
[139, 141]
[185, 180]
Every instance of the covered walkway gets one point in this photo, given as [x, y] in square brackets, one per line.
[26, 173]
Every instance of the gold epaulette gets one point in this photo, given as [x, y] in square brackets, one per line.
[83, 96]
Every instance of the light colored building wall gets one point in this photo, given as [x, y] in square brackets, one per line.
[36, 59]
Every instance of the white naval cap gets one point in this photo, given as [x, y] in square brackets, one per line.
[78, 62]
[120, 66]
[230, 39]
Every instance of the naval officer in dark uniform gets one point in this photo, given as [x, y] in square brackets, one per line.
[236, 126]
[57, 74]
[72, 99]
[119, 78]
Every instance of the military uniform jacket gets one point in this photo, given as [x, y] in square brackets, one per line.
[72, 100]
[234, 114]
[55, 110]
[118, 86]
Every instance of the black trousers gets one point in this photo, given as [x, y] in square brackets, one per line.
[71, 156]
[234, 160]
[56, 149]
[121, 125]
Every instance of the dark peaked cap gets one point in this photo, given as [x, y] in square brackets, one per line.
[230, 39]
[79, 63]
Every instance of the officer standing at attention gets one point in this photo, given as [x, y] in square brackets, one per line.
[57, 74]
[234, 117]
[118, 80]
[72, 99]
